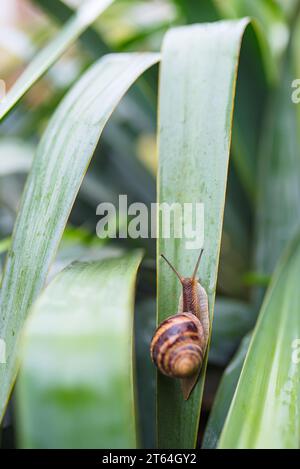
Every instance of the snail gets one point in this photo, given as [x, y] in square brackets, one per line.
[179, 343]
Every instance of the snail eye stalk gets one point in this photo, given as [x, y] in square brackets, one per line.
[172, 267]
[197, 265]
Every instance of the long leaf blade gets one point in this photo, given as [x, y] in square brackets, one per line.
[266, 406]
[197, 88]
[76, 387]
[198, 79]
[61, 161]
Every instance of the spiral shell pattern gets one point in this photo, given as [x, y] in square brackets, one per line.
[177, 345]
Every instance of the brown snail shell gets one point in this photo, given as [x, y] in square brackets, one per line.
[177, 345]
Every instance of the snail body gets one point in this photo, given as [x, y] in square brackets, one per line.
[179, 343]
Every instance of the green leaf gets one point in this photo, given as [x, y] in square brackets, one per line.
[197, 87]
[224, 396]
[266, 406]
[75, 387]
[61, 161]
[49, 55]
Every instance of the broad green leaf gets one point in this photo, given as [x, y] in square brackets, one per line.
[265, 411]
[76, 387]
[48, 56]
[223, 398]
[62, 158]
[197, 87]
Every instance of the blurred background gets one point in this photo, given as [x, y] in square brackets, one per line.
[126, 160]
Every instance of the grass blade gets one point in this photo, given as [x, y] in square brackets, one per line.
[198, 78]
[61, 161]
[265, 409]
[83, 332]
[48, 56]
